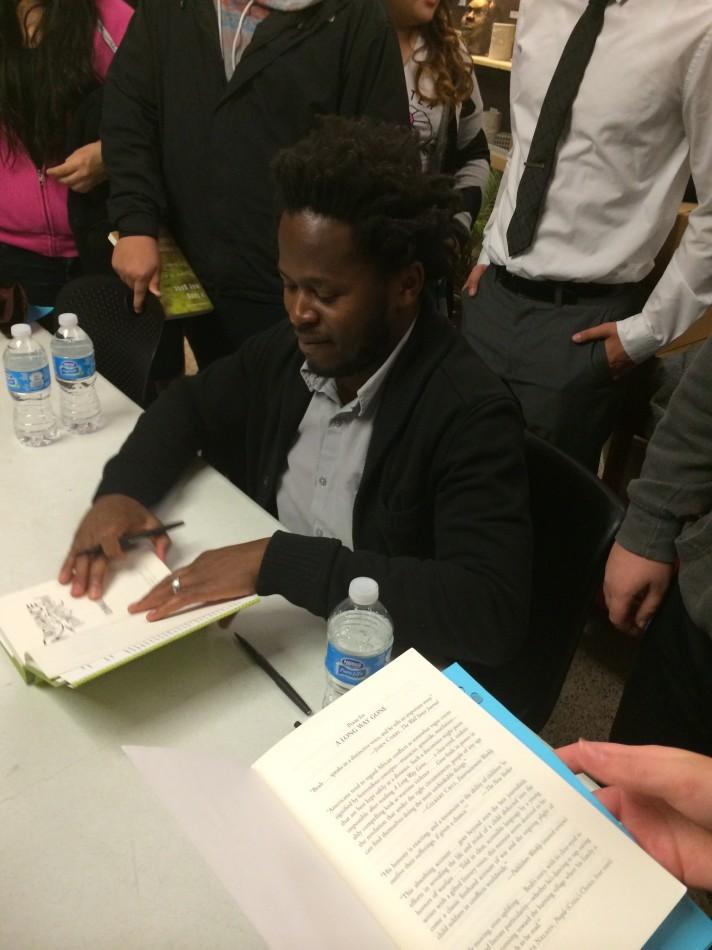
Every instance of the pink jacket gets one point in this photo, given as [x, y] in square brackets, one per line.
[33, 207]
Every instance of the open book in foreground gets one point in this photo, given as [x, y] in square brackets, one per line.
[447, 827]
[67, 641]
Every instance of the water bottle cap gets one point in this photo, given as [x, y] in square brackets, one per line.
[20, 331]
[68, 319]
[363, 591]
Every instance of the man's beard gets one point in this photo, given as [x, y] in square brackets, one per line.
[372, 353]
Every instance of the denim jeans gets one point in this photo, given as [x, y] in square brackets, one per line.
[42, 277]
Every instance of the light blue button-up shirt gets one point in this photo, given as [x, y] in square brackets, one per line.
[316, 493]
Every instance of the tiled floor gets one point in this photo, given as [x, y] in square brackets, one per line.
[590, 696]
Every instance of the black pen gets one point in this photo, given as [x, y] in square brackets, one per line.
[128, 539]
[276, 677]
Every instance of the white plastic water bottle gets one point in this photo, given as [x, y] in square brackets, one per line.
[75, 372]
[27, 375]
[359, 639]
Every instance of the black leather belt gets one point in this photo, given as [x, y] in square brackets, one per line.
[556, 291]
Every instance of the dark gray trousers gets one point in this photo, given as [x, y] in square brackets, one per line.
[666, 700]
[566, 390]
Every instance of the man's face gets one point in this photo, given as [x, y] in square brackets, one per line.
[480, 8]
[344, 312]
[478, 12]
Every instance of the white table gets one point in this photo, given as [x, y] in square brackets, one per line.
[88, 858]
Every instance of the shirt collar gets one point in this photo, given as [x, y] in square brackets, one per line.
[366, 394]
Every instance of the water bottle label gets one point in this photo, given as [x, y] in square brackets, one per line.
[34, 382]
[352, 670]
[70, 370]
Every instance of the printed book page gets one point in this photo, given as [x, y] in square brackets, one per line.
[57, 634]
[453, 832]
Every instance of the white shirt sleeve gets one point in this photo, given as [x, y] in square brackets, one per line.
[684, 291]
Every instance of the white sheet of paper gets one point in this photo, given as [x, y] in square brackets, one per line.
[266, 862]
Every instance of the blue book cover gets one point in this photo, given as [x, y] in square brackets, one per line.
[687, 927]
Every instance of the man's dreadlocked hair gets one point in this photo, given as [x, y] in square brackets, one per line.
[368, 174]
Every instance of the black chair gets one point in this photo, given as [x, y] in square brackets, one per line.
[125, 342]
[575, 518]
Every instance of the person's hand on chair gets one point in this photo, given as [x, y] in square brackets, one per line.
[137, 262]
[634, 587]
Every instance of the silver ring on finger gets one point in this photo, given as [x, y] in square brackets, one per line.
[175, 584]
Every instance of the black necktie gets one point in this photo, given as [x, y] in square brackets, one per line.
[554, 115]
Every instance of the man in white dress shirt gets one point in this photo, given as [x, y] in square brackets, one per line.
[566, 316]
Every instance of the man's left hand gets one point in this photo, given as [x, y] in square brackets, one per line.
[618, 360]
[663, 797]
[222, 574]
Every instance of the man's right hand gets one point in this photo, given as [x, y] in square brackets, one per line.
[472, 284]
[634, 587]
[107, 521]
[138, 264]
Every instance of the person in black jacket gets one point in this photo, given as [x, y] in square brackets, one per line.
[197, 106]
[365, 423]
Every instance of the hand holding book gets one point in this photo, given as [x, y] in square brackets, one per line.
[159, 266]
[137, 261]
[451, 822]
[455, 834]
[662, 796]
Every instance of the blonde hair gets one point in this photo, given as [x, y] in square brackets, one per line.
[446, 64]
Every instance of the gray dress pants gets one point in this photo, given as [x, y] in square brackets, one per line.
[566, 390]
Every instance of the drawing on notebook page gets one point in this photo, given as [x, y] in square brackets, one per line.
[55, 620]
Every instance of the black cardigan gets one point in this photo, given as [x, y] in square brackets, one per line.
[184, 145]
[441, 515]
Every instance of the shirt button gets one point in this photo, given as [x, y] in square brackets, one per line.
[322, 480]
[319, 533]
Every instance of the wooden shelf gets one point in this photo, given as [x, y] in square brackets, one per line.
[504, 64]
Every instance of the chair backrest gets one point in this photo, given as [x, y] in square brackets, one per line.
[575, 518]
[125, 342]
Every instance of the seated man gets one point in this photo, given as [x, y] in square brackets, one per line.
[364, 423]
